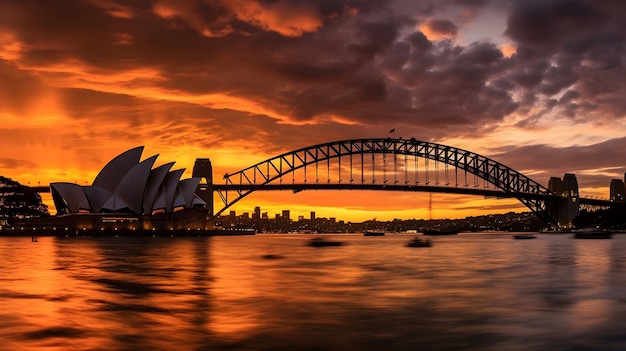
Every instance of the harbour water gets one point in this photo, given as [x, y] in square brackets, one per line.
[472, 291]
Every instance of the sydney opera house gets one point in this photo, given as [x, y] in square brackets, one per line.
[130, 195]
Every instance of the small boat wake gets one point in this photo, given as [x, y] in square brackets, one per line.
[418, 242]
[321, 242]
[593, 233]
[524, 236]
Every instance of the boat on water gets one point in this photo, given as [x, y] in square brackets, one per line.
[373, 233]
[321, 242]
[272, 256]
[524, 236]
[439, 232]
[418, 242]
[593, 233]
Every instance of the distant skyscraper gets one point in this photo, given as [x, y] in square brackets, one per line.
[256, 215]
[617, 190]
[312, 215]
[286, 215]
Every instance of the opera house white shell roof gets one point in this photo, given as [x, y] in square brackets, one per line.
[127, 185]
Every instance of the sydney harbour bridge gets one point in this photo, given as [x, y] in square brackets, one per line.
[396, 164]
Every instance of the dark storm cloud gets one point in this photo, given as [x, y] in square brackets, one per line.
[569, 45]
[541, 23]
[556, 79]
[529, 75]
[335, 70]
[555, 161]
[453, 80]
[364, 62]
[471, 3]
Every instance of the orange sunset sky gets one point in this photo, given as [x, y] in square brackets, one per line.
[536, 85]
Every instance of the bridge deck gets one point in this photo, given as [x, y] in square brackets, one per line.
[493, 193]
[386, 187]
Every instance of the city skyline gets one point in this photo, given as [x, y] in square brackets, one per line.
[535, 85]
[264, 222]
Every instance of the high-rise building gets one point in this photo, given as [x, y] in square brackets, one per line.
[617, 190]
[256, 215]
[286, 215]
[312, 215]
[566, 208]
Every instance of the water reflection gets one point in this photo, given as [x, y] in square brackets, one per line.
[467, 292]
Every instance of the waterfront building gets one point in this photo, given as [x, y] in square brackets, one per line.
[129, 194]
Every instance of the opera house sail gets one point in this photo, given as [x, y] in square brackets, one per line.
[129, 194]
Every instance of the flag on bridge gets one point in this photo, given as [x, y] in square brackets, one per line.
[393, 130]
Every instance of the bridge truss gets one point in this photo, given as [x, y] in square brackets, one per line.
[386, 164]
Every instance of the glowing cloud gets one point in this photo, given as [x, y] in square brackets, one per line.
[436, 29]
[281, 17]
[113, 9]
[10, 46]
[187, 11]
[508, 49]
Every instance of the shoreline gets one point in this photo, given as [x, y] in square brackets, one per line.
[43, 232]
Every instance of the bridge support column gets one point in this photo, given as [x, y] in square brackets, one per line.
[566, 208]
[204, 170]
[617, 190]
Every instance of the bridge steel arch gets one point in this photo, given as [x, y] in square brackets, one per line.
[510, 182]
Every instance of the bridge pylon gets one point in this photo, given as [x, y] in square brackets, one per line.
[617, 190]
[565, 206]
[204, 170]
